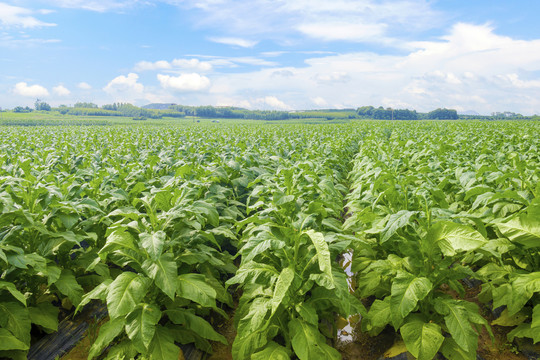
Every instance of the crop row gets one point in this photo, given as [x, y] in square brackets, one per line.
[175, 228]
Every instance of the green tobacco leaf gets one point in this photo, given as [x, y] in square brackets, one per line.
[162, 346]
[14, 317]
[107, 333]
[283, 283]
[153, 243]
[452, 237]
[525, 330]
[244, 346]
[379, 315]
[308, 343]
[524, 230]
[119, 239]
[523, 288]
[195, 288]
[458, 324]
[535, 323]
[395, 222]
[452, 351]
[210, 211]
[407, 290]
[99, 292]
[272, 351]
[10, 342]
[164, 272]
[13, 291]
[68, 285]
[197, 324]
[422, 339]
[141, 325]
[44, 315]
[323, 254]
[125, 293]
[510, 320]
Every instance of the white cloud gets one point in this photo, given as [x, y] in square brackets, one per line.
[329, 20]
[15, 16]
[193, 64]
[329, 31]
[61, 90]
[24, 89]
[148, 65]
[184, 82]
[96, 5]
[471, 67]
[177, 64]
[273, 102]
[84, 86]
[319, 101]
[234, 41]
[125, 88]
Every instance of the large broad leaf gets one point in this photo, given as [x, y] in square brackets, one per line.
[107, 333]
[153, 243]
[452, 351]
[523, 288]
[13, 291]
[99, 292]
[379, 316]
[407, 290]
[323, 255]
[422, 339]
[195, 323]
[272, 351]
[308, 343]
[395, 222]
[524, 230]
[10, 342]
[68, 285]
[244, 346]
[195, 288]
[282, 286]
[164, 272]
[452, 237]
[119, 239]
[141, 325]
[14, 317]
[458, 324]
[45, 315]
[162, 346]
[125, 293]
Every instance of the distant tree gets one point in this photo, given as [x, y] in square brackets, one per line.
[41, 105]
[87, 105]
[20, 109]
[443, 114]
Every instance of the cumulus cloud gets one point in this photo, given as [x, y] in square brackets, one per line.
[84, 86]
[272, 102]
[319, 101]
[184, 82]
[177, 64]
[24, 89]
[15, 16]
[234, 41]
[125, 88]
[61, 90]
[471, 67]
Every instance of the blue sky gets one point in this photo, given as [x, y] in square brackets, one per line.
[282, 54]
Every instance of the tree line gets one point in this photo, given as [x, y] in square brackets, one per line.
[158, 111]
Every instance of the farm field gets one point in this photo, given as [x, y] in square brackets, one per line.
[420, 236]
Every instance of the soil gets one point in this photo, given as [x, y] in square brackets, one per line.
[222, 351]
